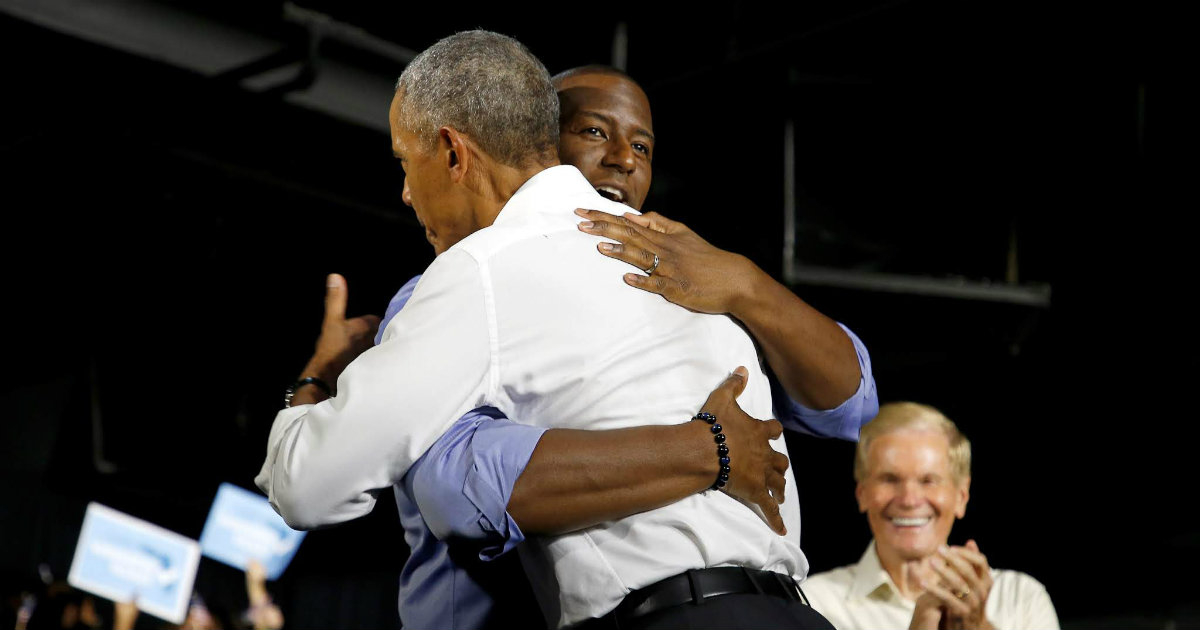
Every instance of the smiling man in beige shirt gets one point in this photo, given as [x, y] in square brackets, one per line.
[913, 468]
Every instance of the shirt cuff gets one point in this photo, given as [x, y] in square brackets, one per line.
[464, 484]
[843, 421]
[502, 455]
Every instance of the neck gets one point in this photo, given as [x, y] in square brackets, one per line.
[903, 578]
[499, 182]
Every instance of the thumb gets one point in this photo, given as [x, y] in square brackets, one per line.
[737, 379]
[335, 297]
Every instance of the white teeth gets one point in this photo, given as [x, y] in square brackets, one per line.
[611, 193]
[910, 522]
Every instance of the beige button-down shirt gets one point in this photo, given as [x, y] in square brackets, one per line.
[863, 596]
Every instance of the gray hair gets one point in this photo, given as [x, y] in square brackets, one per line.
[489, 87]
[900, 416]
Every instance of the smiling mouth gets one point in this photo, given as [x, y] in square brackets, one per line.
[610, 193]
[910, 521]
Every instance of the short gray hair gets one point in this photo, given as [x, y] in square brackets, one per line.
[900, 416]
[488, 86]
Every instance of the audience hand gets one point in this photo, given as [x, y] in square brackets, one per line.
[957, 583]
[125, 615]
[263, 614]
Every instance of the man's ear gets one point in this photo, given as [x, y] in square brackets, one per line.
[858, 494]
[964, 495]
[457, 153]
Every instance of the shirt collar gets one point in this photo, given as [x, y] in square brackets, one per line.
[870, 577]
[544, 191]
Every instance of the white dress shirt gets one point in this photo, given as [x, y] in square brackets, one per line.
[863, 597]
[528, 317]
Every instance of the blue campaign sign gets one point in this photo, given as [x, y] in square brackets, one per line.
[123, 558]
[242, 526]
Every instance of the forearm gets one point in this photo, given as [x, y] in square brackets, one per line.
[811, 355]
[326, 462]
[578, 478]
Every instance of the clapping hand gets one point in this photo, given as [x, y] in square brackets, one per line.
[957, 582]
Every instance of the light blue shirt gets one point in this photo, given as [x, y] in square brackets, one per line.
[453, 502]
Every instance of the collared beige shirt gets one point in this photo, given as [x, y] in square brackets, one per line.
[863, 596]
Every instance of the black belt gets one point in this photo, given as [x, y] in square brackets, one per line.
[696, 585]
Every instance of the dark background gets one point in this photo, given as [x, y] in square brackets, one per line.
[166, 237]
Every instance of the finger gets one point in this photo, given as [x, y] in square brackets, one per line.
[619, 229]
[631, 254]
[656, 222]
[779, 462]
[610, 226]
[951, 577]
[771, 511]
[944, 595]
[981, 562]
[956, 558]
[977, 560]
[335, 297]
[911, 573]
[362, 327]
[948, 572]
[736, 381]
[653, 284]
[776, 484]
[642, 220]
[961, 580]
[592, 215]
[774, 428]
[728, 390]
[371, 322]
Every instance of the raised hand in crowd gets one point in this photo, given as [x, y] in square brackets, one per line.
[263, 614]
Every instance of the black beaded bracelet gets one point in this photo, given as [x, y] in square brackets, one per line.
[308, 380]
[722, 448]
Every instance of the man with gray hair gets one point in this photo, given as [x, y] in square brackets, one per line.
[913, 468]
[497, 321]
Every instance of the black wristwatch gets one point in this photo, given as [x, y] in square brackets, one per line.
[308, 380]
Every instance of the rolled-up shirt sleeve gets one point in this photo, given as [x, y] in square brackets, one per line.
[326, 463]
[462, 485]
[843, 421]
